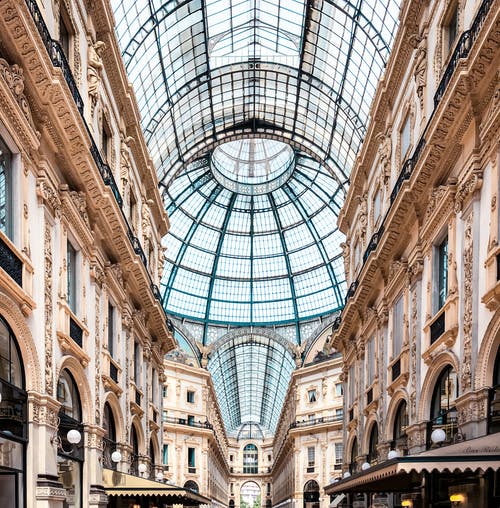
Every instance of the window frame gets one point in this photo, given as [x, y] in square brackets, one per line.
[72, 276]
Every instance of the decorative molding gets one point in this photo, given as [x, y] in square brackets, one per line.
[13, 75]
[468, 260]
[49, 314]
[467, 188]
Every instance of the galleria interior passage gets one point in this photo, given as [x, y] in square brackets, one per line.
[249, 253]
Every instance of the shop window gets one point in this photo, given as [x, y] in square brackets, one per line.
[372, 446]
[399, 428]
[109, 439]
[494, 398]
[70, 455]
[354, 453]
[134, 456]
[13, 431]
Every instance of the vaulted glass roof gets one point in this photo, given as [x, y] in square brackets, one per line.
[246, 397]
[254, 111]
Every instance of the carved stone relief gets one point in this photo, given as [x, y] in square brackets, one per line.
[49, 382]
[466, 374]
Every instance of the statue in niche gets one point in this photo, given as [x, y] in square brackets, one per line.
[94, 71]
[420, 68]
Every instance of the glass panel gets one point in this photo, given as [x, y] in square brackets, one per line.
[5, 189]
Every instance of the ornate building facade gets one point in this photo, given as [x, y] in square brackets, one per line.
[419, 331]
[82, 330]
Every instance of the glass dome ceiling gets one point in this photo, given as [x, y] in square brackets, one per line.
[220, 84]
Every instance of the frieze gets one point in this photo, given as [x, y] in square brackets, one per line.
[44, 415]
[50, 493]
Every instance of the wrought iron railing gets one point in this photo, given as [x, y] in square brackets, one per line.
[188, 422]
[133, 467]
[351, 290]
[372, 246]
[109, 446]
[317, 421]
[76, 332]
[396, 369]
[113, 372]
[462, 49]
[11, 263]
[437, 327]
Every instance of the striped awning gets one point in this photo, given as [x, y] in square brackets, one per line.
[126, 485]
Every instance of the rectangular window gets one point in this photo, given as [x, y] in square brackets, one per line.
[190, 397]
[191, 458]
[452, 28]
[339, 413]
[351, 385]
[311, 457]
[311, 394]
[5, 190]
[105, 141]
[111, 328]
[268, 491]
[405, 138]
[311, 417]
[397, 327]
[370, 362]
[165, 391]
[376, 207]
[190, 420]
[164, 415]
[339, 453]
[339, 390]
[71, 272]
[442, 262]
[137, 364]
[165, 454]
[231, 489]
[64, 36]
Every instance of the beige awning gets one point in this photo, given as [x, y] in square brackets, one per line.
[122, 484]
[398, 475]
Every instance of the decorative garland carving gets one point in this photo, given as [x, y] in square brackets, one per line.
[466, 377]
[413, 350]
[80, 202]
[48, 196]
[13, 75]
[49, 382]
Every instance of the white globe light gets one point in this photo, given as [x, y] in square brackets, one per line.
[392, 454]
[365, 466]
[74, 436]
[116, 456]
[347, 474]
[159, 476]
[438, 436]
[142, 468]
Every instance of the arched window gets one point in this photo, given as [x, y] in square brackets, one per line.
[191, 485]
[134, 456]
[152, 456]
[372, 446]
[311, 494]
[70, 455]
[250, 459]
[443, 411]
[13, 417]
[399, 429]
[354, 454]
[494, 396]
[109, 440]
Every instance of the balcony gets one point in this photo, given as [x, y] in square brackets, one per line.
[9, 262]
[437, 327]
[188, 422]
[317, 421]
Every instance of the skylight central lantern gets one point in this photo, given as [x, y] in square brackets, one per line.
[252, 166]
